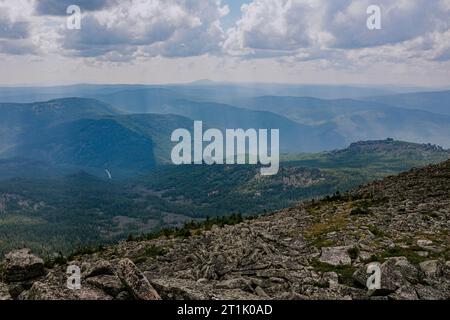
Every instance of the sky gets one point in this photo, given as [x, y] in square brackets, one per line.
[273, 41]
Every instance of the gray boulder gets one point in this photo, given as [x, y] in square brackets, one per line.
[100, 267]
[429, 293]
[135, 281]
[21, 265]
[4, 292]
[336, 256]
[391, 276]
[108, 283]
[431, 268]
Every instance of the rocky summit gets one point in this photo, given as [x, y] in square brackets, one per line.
[317, 250]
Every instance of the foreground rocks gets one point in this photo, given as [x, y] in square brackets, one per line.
[137, 284]
[21, 265]
[317, 250]
[336, 256]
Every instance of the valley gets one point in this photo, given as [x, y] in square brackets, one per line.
[93, 165]
[67, 212]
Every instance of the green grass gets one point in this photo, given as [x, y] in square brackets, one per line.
[408, 253]
[345, 272]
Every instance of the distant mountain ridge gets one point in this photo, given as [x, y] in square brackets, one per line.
[437, 102]
[85, 133]
[360, 120]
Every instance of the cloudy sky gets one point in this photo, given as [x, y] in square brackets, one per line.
[166, 41]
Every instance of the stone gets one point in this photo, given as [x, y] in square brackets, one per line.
[100, 267]
[16, 288]
[236, 283]
[391, 277]
[261, 293]
[336, 256]
[407, 269]
[46, 291]
[135, 281]
[331, 279]
[424, 243]
[108, 283]
[124, 296]
[4, 292]
[179, 289]
[406, 292]
[431, 268]
[423, 253]
[21, 265]
[429, 293]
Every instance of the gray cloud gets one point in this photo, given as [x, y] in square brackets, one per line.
[401, 21]
[59, 7]
[12, 29]
[15, 35]
[169, 28]
[17, 47]
[327, 24]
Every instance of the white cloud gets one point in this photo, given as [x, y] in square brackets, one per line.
[300, 26]
[273, 40]
[170, 28]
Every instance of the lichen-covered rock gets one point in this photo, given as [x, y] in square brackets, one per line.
[336, 256]
[429, 293]
[108, 283]
[406, 292]
[135, 281]
[181, 289]
[431, 268]
[96, 268]
[21, 265]
[391, 276]
[4, 292]
[46, 291]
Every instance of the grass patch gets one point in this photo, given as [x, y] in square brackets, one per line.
[376, 231]
[335, 223]
[345, 272]
[409, 253]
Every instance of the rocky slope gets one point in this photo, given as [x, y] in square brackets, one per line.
[317, 250]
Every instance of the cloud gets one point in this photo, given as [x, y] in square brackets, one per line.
[169, 28]
[274, 25]
[401, 21]
[15, 33]
[10, 29]
[59, 7]
[299, 25]
[17, 47]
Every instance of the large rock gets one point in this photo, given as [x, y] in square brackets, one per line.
[235, 283]
[336, 256]
[97, 268]
[431, 268]
[21, 265]
[407, 269]
[108, 283]
[406, 292]
[181, 289]
[135, 281]
[391, 276]
[47, 291]
[429, 293]
[4, 292]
